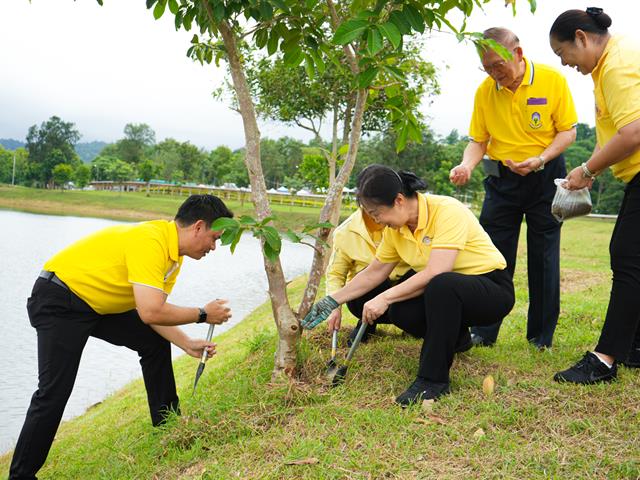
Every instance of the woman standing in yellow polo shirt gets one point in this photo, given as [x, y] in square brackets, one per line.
[457, 267]
[582, 40]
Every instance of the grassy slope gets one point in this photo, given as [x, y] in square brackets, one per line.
[129, 206]
[240, 426]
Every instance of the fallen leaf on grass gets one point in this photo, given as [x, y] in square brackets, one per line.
[488, 385]
[479, 433]
[303, 461]
[430, 419]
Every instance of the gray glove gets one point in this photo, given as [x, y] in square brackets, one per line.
[319, 312]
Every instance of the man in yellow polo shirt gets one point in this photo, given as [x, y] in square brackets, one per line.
[523, 119]
[113, 285]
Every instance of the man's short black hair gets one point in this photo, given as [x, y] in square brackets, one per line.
[201, 207]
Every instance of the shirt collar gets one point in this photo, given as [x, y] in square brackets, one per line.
[612, 41]
[358, 226]
[423, 218]
[529, 73]
[173, 241]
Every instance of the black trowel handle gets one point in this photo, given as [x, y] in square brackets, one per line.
[356, 341]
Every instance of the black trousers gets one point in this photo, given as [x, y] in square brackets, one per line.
[507, 200]
[622, 322]
[450, 304]
[64, 323]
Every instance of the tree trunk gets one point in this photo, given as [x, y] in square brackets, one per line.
[286, 321]
[333, 202]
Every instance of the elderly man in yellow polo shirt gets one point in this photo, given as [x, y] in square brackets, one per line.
[113, 285]
[523, 119]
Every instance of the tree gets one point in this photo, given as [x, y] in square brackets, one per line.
[50, 144]
[138, 139]
[61, 174]
[147, 169]
[82, 175]
[371, 37]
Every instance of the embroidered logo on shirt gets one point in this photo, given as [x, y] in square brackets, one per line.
[535, 121]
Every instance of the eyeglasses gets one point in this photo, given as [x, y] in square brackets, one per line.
[499, 65]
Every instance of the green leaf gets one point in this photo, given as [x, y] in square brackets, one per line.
[293, 56]
[173, 6]
[247, 220]
[218, 11]
[292, 236]
[266, 220]
[151, 3]
[350, 31]
[392, 91]
[195, 40]
[236, 239]
[229, 235]
[401, 141]
[343, 149]
[223, 223]
[309, 66]
[412, 14]
[534, 5]
[272, 44]
[315, 226]
[261, 37]
[272, 238]
[320, 65]
[374, 40]
[270, 253]
[281, 5]
[365, 78]
[392, 33]
[400, 21]
[159, 10]
[266, 10]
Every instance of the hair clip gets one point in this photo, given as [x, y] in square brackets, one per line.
[594, 11]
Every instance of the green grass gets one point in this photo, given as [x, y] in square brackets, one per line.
[239, 425]
[134, 206]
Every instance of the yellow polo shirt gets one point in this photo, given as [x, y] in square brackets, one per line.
[102, 268]
[354, 248]
[521, 124]
[443, 222]
[616, 80]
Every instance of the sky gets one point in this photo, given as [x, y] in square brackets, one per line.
[104, 67]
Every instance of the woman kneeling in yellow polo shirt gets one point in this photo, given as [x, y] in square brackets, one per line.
[460, 277]
[582, 40]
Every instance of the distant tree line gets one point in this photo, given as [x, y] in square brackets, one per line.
[49, 160]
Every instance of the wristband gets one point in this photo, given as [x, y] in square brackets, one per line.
[202, 315]
[586, 173]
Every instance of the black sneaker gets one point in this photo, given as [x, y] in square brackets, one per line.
[587, 371]
[633, 359]
[370, 330]
[422, 389]
[479, 341]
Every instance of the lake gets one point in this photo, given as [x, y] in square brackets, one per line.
[28, 240]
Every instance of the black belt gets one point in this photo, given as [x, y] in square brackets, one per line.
[52, 277]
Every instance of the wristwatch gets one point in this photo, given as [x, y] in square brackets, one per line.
[202, 316]
[541, 167]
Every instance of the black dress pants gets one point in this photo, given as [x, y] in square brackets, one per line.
[622, 322]
[64, 323]
[507, 199]
[450, 303]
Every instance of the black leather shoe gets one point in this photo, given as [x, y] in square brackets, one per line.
[420, 390]
[370, 330]
[463, 346]
[479, 341]
[587, 371]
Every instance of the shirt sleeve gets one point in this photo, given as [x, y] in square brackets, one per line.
[451, 228]
[146, 261]
[338, 269]
[478, 130]
[564, 116]
[386, 251]
[621, 89]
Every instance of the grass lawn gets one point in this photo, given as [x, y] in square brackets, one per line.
[238, 425]
[134, 206]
